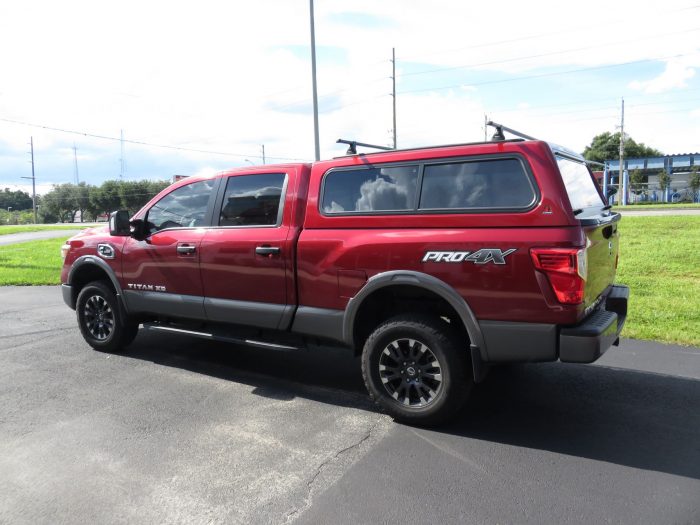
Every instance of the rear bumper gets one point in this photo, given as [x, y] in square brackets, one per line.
[588, 340]
[585, 342]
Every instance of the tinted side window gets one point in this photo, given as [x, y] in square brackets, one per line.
[252, 200]
[374, 189]
[477, 184]
[184, 207]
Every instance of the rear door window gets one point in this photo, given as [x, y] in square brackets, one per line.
[253, 200]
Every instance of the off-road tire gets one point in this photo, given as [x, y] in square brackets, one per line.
[100, 319]
[449, 351]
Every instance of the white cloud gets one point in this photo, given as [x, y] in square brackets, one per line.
[675, 76]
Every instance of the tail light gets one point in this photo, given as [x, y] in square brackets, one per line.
[64, 250]
[566, 269]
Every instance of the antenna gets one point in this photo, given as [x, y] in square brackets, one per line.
[352, 146]
[75, 159]
[393, 90]
[33, 177]
[122, 159]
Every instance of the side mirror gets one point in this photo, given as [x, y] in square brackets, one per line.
[138, 229]
[611, 192]
[119, 223]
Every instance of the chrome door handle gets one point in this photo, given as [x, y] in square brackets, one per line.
[185, 249]
[267, 250]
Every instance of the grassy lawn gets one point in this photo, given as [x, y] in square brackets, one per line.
[35, 262]
[642, 207]
[6, 230]
[659, 261]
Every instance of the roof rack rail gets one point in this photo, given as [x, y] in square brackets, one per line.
[499, 136]
[352, 146]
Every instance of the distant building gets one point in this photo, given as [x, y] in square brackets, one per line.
[179, 177]
[677, 166]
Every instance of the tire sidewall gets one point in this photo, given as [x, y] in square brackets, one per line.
[442, 343]
[115, 339]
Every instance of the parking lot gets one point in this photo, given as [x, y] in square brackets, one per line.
[184, 431]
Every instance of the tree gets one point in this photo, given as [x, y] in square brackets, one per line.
[606, 146]
[106, 198]
[637, 182]
[134, 194]
[664, 181]
[81, 198]
[694, 181]
[17, 200]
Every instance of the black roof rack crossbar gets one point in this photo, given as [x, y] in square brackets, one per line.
[499, 136]
[352, 146]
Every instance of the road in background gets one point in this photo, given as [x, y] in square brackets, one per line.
[658, 213]
[189, 431]
[14, 238]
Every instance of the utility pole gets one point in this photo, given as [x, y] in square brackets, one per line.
[313, 80]
[75, 159]
[31, 144]
[486, 125]
[623, 175]
[122, 160]
[263, 153]
[393, 88]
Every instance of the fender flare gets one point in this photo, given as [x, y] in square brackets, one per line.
[93, 260]
[420, 280]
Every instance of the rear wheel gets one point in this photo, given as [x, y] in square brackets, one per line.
[416, 368]
[100, 318]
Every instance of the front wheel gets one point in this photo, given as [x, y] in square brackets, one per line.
[100, 319]
[416, 368]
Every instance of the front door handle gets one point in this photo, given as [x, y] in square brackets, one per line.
[267, 250]
[186, 249]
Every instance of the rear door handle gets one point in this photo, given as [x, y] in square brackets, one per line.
[267, 250]
[186, 249]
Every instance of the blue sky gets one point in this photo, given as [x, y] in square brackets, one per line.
[228, 77]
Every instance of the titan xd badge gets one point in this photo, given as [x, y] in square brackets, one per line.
[483, 256]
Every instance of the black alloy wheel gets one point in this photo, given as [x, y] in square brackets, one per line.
[417, 369]
[100, 319]
[410, 372]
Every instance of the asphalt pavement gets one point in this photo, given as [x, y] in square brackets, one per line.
[180, 430]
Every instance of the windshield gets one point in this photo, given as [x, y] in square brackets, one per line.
[579, 183]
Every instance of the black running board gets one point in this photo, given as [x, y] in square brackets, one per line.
[219, 337]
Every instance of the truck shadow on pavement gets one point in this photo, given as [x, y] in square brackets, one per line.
[637, 419]
[325, 375]
[626, 417]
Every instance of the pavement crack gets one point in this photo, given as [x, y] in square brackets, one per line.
[312, 486]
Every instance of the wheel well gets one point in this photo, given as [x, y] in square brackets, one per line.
[88, 273]
[391, 301]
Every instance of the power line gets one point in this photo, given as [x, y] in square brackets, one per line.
[535, 36]
[541, 55]
[142, 143]
[540, 75]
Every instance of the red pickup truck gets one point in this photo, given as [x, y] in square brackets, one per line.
[430, 263]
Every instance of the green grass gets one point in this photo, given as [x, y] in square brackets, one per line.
[35, 262]
[660, 262]
[640, 207]
[6, 230]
